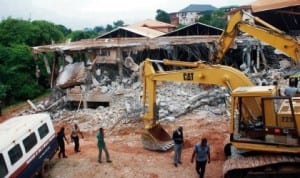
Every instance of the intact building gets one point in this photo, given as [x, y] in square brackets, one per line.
[191, 13]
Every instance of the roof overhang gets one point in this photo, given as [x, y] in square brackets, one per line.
[264, 5]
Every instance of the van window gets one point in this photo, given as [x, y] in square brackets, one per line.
[15, 154]
[29, 142]
[43, 130]
[3, 167]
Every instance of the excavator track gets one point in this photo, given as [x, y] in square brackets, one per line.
[261, 165]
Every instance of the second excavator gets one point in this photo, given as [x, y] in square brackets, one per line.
[259, 29]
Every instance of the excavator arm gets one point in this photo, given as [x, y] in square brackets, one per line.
[155, 137]
[265, 33]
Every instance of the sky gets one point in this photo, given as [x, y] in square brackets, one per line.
[79, 14]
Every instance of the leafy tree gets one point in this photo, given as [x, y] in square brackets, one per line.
[109, 28]
[162, 16]
[64, 29]
[215, 18]
[79, 35]
[4, 87]
[14, 31]
[206, 18]
[19, 75]
[99, 29]
[44, 32]
[118, 23]
[180, 26]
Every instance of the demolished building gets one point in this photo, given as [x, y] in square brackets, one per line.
[114, 56]
[89, 66]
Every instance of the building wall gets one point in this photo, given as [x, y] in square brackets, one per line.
[107, 56]
[188, 18]
[174, 19]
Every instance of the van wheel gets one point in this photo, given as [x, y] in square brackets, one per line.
[45, 168]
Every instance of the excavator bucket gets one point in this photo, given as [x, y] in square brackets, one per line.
[157, 139]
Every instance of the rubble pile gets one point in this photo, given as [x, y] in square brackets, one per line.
[173, 99]
[126, 106]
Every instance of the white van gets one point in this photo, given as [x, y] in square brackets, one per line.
[27, 143]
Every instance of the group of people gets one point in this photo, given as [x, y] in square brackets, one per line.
[201, 152]
[61, 139]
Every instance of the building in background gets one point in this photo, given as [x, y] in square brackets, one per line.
[190, 14]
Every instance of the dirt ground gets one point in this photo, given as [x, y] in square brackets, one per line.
[130, 159]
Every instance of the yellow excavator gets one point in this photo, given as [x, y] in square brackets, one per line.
[155, 137]
[261, 122]
[258, 29]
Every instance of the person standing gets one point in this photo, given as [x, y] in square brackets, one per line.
[102, 146]
[178, 145]
[202, 153]
[291, 90]
[75, 137]
[61, 138]
[277, 88]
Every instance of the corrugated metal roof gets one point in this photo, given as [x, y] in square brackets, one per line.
[152, 23]
[144, 31]
[264, 5]
[198, 8]
[132, 31]
[197, 28]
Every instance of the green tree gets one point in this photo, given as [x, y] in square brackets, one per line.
[99, 29]
[215, 18]
[4, 87]
[79, 35]
[18, 79]
[109, 28]
[162, 16]
[180, 26]
[14, 31]
[118, 23]
[44, 32]
[64, 29]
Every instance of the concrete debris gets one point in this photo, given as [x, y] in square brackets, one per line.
[125, 99]
[70, 74]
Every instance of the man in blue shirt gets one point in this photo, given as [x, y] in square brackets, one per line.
[202, 153]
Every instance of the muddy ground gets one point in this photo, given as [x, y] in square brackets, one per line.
[130, 159]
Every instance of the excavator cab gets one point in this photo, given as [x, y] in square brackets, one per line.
[265, 122]
[265, 132]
